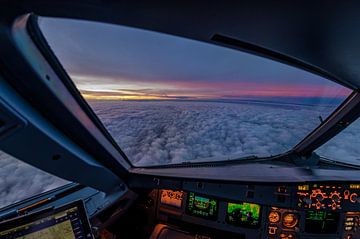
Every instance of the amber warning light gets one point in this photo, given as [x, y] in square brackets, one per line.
[303, 187]
[354, 186]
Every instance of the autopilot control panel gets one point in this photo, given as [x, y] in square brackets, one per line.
[310, 210]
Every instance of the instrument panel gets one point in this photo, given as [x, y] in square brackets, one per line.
[282, 223]
[328, 197]
[314, 210]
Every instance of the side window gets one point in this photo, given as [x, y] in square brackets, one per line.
[19, 180]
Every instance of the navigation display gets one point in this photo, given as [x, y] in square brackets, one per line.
[171, 198]
[321, 222]
[202, 206]
[67, 222]
[243, 214]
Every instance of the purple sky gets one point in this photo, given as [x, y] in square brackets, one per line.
[115, 62]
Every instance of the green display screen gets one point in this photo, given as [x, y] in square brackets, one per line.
[202, 206]
[321, 222]
[243, 214]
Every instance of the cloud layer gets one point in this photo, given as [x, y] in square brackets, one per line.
[19, 180]
[165, 132]
[345, 146]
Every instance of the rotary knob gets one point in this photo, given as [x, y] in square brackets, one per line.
[335, 197]
[354, 198]
[319, 197]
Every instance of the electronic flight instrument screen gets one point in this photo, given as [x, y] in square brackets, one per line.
[69, 221]
[321, 222]
[243, 214]
[201, 206]
[171, 198]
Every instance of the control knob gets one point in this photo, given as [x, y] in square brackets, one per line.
[319, 197]
[335, 197]
[354, 198]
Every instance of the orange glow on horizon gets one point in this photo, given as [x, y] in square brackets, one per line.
[122, 97]
[123, 89]
[96, 95]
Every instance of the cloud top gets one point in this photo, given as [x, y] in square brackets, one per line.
[168, 132]
[19, 180]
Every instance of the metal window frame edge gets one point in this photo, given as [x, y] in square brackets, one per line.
[340, 119]
[19, 47]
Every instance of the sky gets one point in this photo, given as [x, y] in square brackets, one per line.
[120, 63]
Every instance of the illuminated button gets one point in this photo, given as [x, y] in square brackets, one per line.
[349, 224]
[303, 187]
[286, 236]
[348, 228]
[354, 186]
[346, 194]
[281, 189]
[272, 230]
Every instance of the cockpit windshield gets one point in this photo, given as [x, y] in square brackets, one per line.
[19, 180]
[167, 99]
[344, 147]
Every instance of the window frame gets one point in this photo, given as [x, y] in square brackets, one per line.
[25, 73]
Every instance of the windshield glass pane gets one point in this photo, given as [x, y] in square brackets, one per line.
[19, 180]
[167, 99]
[343, 147]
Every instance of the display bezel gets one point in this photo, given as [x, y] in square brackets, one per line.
[307, 222]
[171, 205]
[245, 225]
[189, 212]
[32, 217]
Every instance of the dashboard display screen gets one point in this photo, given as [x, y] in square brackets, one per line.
[171, 198]
[243, 214]
[202, 206]
[69, 222]
[321, 222]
